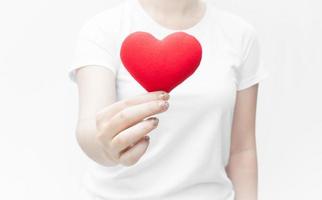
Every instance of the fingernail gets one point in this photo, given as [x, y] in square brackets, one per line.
[164, 96]
[165, 105]
[156, 121]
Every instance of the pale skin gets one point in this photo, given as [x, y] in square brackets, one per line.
[114, 132]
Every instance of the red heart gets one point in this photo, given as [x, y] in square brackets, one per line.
[160, 64]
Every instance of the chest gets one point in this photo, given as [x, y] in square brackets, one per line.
[211, 86]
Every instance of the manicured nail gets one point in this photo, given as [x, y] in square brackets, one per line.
[155, 121]
[164, 105]
[164, 96]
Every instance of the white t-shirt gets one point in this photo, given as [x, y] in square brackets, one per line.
[189, 149]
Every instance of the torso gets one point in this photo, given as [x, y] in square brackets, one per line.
[189, 149]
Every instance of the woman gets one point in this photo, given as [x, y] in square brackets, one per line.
[204, 146]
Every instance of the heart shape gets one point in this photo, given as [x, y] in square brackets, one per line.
[160, 64]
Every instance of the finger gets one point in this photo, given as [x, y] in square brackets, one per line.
[132, 115]
[133, 134]
[109, 111]
[133, 154]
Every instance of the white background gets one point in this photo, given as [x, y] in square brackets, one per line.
[39, 156]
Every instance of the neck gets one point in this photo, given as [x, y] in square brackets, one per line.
[172, 7]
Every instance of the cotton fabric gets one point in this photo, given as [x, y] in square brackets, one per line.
[189, 149]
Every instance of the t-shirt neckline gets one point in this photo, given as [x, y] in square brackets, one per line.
[144, 14]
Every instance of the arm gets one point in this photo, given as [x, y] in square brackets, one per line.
[107, 131]
[96, 89]
[242, 166]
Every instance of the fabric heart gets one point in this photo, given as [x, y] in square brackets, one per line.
[160, 64]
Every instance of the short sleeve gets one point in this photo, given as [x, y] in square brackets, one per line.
[251, 71]
[94, 46]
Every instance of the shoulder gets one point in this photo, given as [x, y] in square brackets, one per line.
[107, 20]
[236, 30]
[234, 23]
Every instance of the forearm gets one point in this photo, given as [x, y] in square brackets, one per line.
[85, 135]
[242, 170]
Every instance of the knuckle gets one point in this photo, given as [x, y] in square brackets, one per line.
[102, 127]
[123, 116]
[122, 141]
[113, 144]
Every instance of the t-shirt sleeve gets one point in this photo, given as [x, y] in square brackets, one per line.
[251, 70]
[94, 46]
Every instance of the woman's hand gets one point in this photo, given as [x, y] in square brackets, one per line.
[122, 130]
